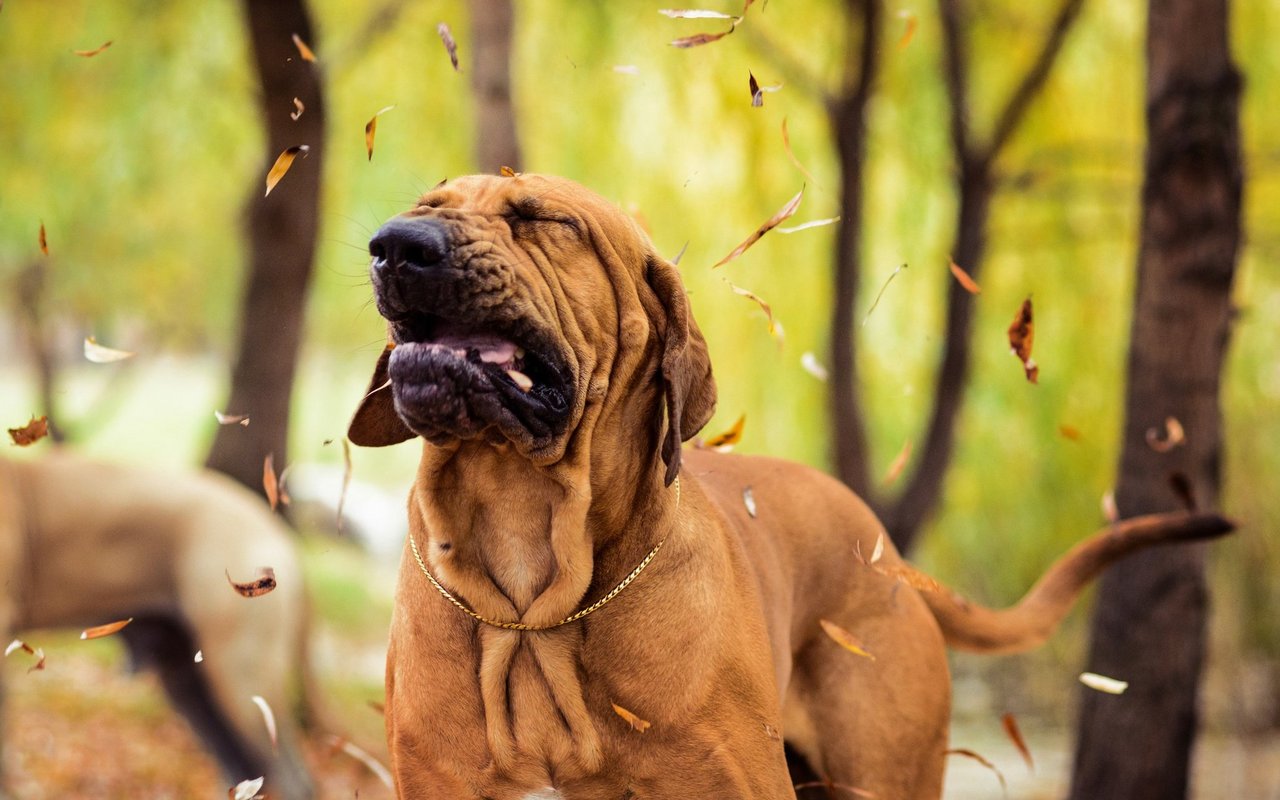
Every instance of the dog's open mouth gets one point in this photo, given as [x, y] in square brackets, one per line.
[453, 378]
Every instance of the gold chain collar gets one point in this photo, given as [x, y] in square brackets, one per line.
[521, 626]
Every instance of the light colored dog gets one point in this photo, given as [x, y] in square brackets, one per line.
[585, 612]
[85, 543]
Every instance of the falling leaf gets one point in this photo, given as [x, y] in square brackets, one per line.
[1102, 683]
[817, 223]
[371, 763]
[257, 587]
[729, 437]
[507, 172]
[303, 50]
[698, 39]
[35, 430]
[1181, 486]
[370, 127]
[964, 280]
[1015, 735]
[231, 419]
[880, 294]
[775, 329]
[99, 354]
[960, 751]
[346, 479]
[676, 261]
[270, 485]
[1021, 335]
[93, 52]
[246, 790]
[898, 463]
[637, 724]
[199, 656]
[877, 552]
[626, 69]
[268, 718]
[1109, 509]
[693, 13]
[1174, 436]
[845, 639]
[283, 162]
[104, 630]
[783, 213]
[910, 29]
[18, 644]
[38, 652]
[44, 242]
[786, 144]
[39, 665]
[1070, 432]
[913, 578]
[297, 104]
[450, 45]
[814, 367]
[376, 706]
[757, 96]
[749, 500]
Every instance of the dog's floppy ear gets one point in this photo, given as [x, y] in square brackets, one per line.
[376, 423]
[686, 367]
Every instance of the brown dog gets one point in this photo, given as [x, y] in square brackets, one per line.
[583, 611]
[85, 543]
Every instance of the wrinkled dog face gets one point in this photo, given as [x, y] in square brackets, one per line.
[466, 281]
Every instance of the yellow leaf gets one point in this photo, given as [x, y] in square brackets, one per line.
[964, 280]
[370, 127]
[729, 437]
[104, 630]
[283, 162]
[637, 724]
[99, 354]
[303, 50]
[845, 639]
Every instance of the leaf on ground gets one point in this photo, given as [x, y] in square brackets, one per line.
[817, 223]
[297, 104]
[898, 464]
[264, 583]
[775, 329]
[94, 51]
[1174, 436]
[960, 751]
[1010, 724]
[909, 30]
[1101, 683]
[100, 354]
[270, 484]
[44, 241]
[98, 631]
[231, 419]
[370, 763]
[782, 214]
[749, 500]
[637, 724]
[963, 279]
[786, 145]
[845, 639]
[268, 719]
[813, 366]
[35, 430]
[303, 50]
[450, 46]
[730, 437]
[371, 127]
[283, 162]
[245, 790]
[1021, 335]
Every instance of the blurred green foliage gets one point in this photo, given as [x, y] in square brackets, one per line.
[138, 161]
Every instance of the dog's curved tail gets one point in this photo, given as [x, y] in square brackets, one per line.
[968, 626]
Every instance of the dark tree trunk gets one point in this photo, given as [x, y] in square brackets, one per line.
[1149, 622]
[497, 142]
[282, 235]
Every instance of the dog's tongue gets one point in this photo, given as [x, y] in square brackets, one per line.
[493, 348]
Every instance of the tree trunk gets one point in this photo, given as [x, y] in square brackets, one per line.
[497, 142]
[1148, 626]
[282, 236]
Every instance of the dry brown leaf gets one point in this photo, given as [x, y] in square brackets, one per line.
[371, 763]
[297, 104]
[783, 213]
[270, 484]
[845, 639]
[44, 241]
[35, 430]
[100, 354]
[99, 631]
[698, 39]
[960, 751]
[1101, 683]
[268, 718]
[1021, 335]
[786, 145]
[814, 367]
[450, 45]
[749, 500]
[346, 478]
[94, 51]
[507, 172]
[963, 279]
[757, 96]
[261, 585]
[371, 127]
[283, 162]
[231, 419]
[37, 652]
[303, 50]
[246, 790]
[912, 577]
[693, 13]
[1181, 486]
[637, 724]
[729, 437]
[910, 30]
[775, 328]
[1015, 735]
[898, 463]
[1070, 432]
[1174, 436]
[817, 223]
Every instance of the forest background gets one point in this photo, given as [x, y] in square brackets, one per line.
[139, 161]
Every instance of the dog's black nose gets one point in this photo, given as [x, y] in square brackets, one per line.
[412, 243]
